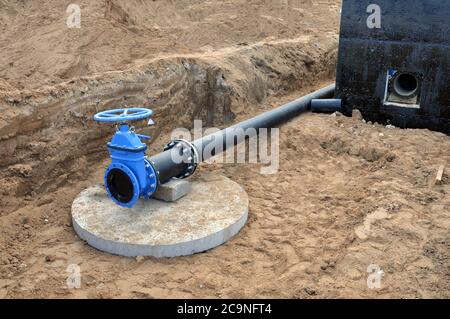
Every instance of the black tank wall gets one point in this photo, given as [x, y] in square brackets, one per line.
[414, 37]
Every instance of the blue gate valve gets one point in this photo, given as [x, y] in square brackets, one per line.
[131, 175]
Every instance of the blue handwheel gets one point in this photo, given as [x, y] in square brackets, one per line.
[123, 115]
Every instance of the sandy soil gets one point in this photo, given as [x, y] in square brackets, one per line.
[348, 194]
[38, 49]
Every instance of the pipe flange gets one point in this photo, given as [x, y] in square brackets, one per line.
[191, 154]
[134, 185]
[153, 181]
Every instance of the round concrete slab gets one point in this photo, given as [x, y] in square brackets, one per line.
[213, 212]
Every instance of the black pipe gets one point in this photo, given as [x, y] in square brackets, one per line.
[326, 105]
[167, 168]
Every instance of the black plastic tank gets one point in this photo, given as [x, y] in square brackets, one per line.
[394, 62]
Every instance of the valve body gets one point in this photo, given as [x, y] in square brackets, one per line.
[130, 175]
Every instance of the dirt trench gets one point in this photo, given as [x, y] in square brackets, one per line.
[51, 148]
[48, 136]
[348, 195]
